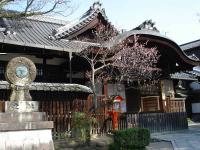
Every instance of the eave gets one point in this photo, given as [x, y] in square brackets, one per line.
[40, 86]
[85, 22]
[153, 36]
[190, 45]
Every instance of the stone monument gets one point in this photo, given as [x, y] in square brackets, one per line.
[22, 126]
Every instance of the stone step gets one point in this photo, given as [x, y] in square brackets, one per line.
[26, 126]
[13, 117]
[26, 140]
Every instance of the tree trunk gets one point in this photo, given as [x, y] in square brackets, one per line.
[94, 89]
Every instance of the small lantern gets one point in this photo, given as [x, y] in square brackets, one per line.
[117, 103]
[116, 109]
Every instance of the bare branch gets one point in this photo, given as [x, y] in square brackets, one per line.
[103, 66]
[127, 61]
[29, 3]
[135, 61]
[33, 7]
[51, 9]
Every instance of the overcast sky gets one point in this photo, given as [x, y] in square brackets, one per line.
[178, 19]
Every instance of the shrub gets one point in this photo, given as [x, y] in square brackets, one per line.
[81, 123]
[131, 138]
[112, 146]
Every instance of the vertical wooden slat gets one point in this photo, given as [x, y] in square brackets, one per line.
[60, 113]
[158, 103]
[142, 107]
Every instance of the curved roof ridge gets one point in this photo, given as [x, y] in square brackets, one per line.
[190, 42]
[119, 38]
[122, 36]
[48, 19]
[85, 19]
[190, 45]
[147, 25]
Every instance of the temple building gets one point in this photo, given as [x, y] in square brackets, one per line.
[192, 49]
[52, 45]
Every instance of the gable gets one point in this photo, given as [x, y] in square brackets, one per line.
[85, 26]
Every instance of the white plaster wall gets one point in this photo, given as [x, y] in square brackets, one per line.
[116, 89]
[167, 88]
[195, 107]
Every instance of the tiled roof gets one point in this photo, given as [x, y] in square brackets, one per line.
[48, 19]
[151, 33]
[37, 86]
[193, 56]
[148, 24]
[119, 38]
[195, 71]
[35, 33]
[88, 17]
[195, 86]
[190, 45]
[183, 76]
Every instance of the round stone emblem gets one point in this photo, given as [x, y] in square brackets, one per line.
[20, 71]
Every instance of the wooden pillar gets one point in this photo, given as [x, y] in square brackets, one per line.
[44, 69]
[70, 67]
[105, 88]
[162, 97]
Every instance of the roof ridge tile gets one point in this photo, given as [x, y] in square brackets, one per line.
[87, 17]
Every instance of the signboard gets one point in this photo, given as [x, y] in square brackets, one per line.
[195, 107]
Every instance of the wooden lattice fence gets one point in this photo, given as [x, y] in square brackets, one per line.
[61, 113]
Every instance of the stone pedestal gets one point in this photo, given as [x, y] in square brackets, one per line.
[21, 106]
[26, 140]
[25, 130]
[22, 127]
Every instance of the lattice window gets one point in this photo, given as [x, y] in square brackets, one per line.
[2, 69]
[39, 72]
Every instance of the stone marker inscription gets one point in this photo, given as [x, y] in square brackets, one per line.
[20, 72]
[22, 126]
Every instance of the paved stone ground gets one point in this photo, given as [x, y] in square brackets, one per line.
[101, 143]
[97, 143]
[161, 145]
[180, 140]
[184, 139]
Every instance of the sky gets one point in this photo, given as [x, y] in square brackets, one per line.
[177, 19]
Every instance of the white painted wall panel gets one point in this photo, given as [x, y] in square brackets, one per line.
[195, 107]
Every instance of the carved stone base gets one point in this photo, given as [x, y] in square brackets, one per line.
[13, 117]
[26, 140]
[25, 131]
[21, 106]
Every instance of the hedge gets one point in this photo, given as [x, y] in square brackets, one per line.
[131, 138]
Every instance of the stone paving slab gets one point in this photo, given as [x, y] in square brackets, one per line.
[97, 143]
[162, 145]
[102, 142]
[182, 140]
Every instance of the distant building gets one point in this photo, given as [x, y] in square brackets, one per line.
[192, 49]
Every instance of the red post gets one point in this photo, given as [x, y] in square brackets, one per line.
[115, 120]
